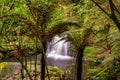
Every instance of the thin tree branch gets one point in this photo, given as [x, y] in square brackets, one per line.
[100, 7]
[116, 9]
[111, 7]
[25, 68]
[112, 15]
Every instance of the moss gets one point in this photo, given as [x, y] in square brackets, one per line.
[28, 67]
[3, 65]
[54, 78]
[55, 72]
[5, 69]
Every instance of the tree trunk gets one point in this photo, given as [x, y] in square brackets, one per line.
[79, 64]
[43, 63]
[42, 67]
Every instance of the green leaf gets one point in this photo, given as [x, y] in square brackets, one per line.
[9, 1]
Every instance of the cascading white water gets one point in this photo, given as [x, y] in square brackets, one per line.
[58, 52]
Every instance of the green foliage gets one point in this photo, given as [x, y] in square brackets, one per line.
[32, 23]
[109, 66]
[90, 53]
[93, 71]
[3, 65]
[5, 69]
[99, 74]
[118, 1]
[55, 73]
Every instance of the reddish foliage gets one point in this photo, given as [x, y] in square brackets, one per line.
[101, 55]
[106, 6]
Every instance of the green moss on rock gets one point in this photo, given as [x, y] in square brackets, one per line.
[55, 73]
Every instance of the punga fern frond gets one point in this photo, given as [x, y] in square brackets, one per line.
[115, 49]
[59, 27]
[109, 58]
[61, 23]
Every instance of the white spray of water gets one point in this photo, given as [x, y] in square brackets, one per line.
[58, 52]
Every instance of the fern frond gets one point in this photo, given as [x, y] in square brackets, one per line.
[59, 25]
[110, 58]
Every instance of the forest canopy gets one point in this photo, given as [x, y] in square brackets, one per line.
[92, 28]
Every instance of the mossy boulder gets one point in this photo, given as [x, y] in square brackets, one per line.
[55, 73]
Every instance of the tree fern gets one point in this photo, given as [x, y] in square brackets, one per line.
[110, 61]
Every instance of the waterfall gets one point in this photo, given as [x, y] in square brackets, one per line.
[58, 52]
[58, 46]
